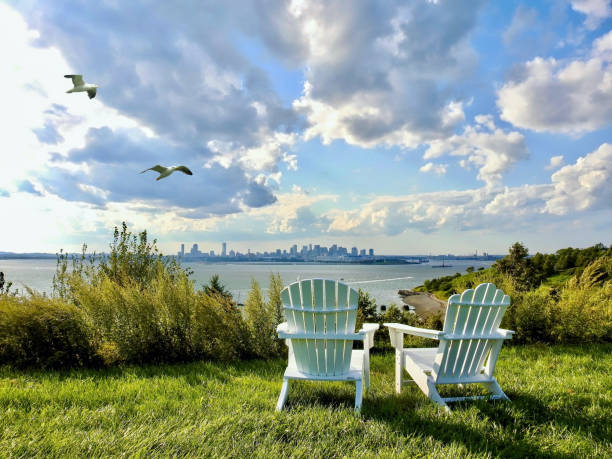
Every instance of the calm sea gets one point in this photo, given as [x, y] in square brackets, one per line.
[382, 282]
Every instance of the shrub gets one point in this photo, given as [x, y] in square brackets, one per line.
[584, 314]
[530, 315]
[275, 310]
[44, 332]
[260, 323]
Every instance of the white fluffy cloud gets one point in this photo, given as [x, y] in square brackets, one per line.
[272, 149]
[555, 162]
[383, 74]
[484, 146]
[594, 10]
[438, 169]
[562, 96]
[584, 185]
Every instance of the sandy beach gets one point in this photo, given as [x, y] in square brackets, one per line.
[424, 303]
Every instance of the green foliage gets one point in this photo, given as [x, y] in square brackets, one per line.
[5, 286]
[520, 268]
[215, 287]
[275, 310]
[135, 307]
[44, 332]
[260, 323]
[565, 308]
[584, 313]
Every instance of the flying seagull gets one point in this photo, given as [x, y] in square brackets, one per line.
[81, 86]
[166, 171]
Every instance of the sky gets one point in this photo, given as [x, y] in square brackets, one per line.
[407, 127]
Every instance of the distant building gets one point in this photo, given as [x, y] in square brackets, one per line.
[354, 251]
[195, 251]
[224, 249]
[211, 253]
[232, 253]
[362, 253]
[371, 252]
[182, 250]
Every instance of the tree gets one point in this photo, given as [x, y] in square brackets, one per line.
[519, 267]
[275, 308]
[215, 287]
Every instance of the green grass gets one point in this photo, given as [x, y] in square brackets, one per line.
[561, 407]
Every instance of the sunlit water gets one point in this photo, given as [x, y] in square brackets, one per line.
[382, 282]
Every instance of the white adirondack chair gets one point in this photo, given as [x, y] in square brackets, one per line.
[319, 331]
[469, 346]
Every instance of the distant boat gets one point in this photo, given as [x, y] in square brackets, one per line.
[442, 265]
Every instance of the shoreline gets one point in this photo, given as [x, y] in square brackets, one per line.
[423, 303]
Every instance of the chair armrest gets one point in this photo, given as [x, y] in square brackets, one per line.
[397, 331]
[507, 333]
[368, 331]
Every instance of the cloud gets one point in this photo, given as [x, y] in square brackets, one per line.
[587, 184]
[557, 96]
[577, 188]
[4, 194]
[107, 169]
[555, 162]
[384, 73]
[185, 76]
[438, 169]
[218, 111]
[490, 149]
[48, 134]
[594, 10]
[28, 187]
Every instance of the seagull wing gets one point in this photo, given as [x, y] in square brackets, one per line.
[91, 93]
[77, 80]
[156, 168]
[184, 169]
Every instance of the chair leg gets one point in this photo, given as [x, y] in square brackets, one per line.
[366, 369]
[358, 395]
[283, 395]
[398, 371]
[434, 396]
[495, 389]
[429, 388]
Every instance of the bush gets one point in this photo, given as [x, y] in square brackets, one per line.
[584, 314]
[168, 321]
[260, 323]
[44, 332]
[132, 306]
[530, 315]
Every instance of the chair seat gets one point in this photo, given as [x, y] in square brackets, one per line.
[422, 357]
[355, 371]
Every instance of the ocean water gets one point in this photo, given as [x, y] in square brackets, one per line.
[382, 282]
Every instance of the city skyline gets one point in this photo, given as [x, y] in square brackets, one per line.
[310, 250]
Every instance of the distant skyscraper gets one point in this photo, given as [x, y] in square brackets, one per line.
[224, 249]
[194, 250]
[362, 253]
[371, 252]
[354, 251]
[182, 250]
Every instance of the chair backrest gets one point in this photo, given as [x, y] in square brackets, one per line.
[326, 309]
[471, 343]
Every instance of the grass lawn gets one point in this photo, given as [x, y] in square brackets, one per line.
[561, 407]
